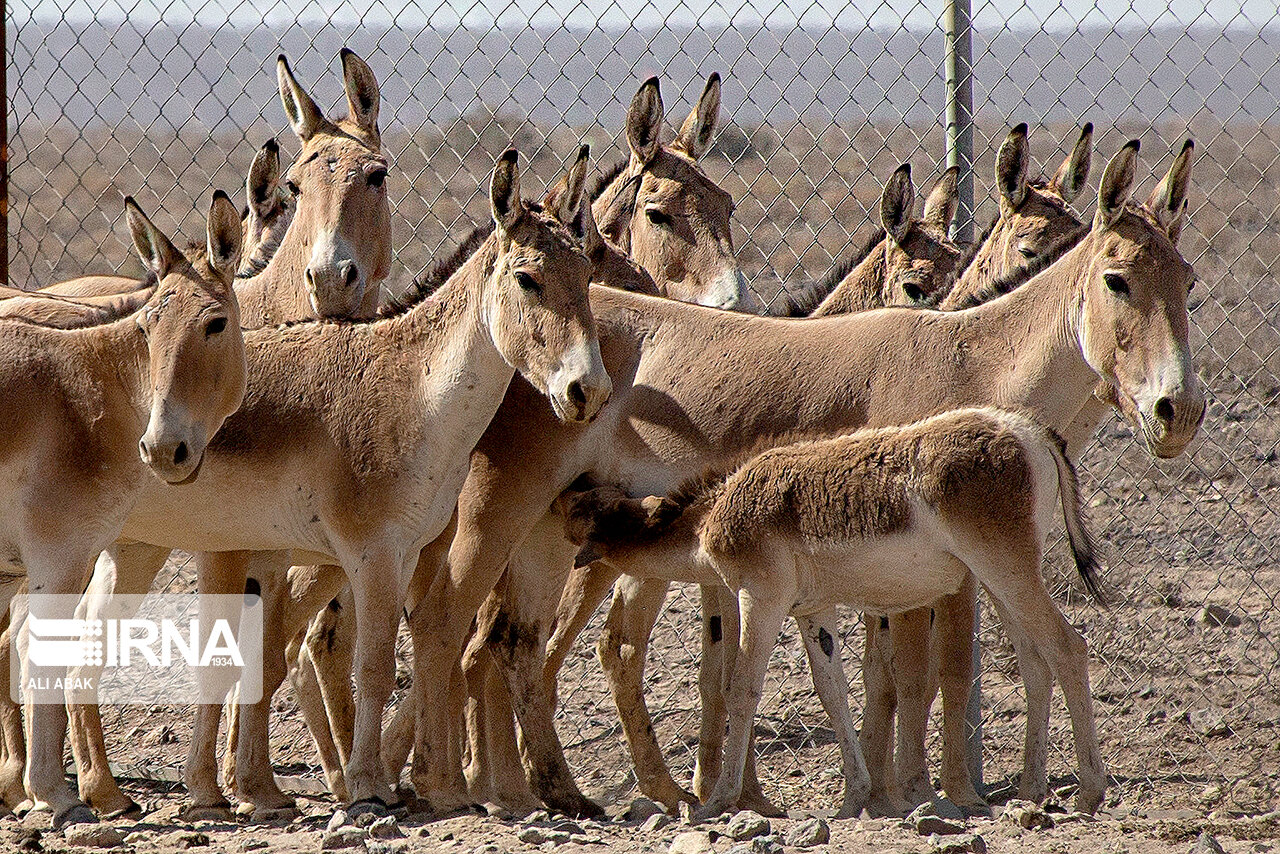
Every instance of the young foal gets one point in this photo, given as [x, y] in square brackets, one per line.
[881, 519]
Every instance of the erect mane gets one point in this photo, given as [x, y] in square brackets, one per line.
[430, 281]
[966, 257]
[1021, 275]
[606, 178]
[806, 300]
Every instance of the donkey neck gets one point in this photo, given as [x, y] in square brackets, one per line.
[1031, 341]
[277, 294]
[862, 288]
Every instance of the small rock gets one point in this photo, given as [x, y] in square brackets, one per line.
[766, 845]
[385, 828]
[487, 848]
[1206, 844]
[927, 825]
[740, 848]
[872, 824]
[446, 836]
[532, 836]
[1075, 816]
[655, 822]
[537, 817]
[641, 809]
[747, 824]
[99, 835]
[568, 827]
[947, 808]
[1208, 722]
[337, 820]
[1027, 815]
[810, 832]
[1217, 615]
[1211, 793]
[586, 839]
[161, 735]
[686, 812]
[252, 844]
[960, 844]
[27, 839]
[385, 846]
[691, 842]
[139, 836]
[197, 839]
[343, 838]
[558, 837]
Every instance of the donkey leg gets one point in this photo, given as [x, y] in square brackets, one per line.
[953, 631]
[499, 745]
[712, 678]
[1037, 681]
[751, 796]
[820, 633]
[12, 794]
[623, 644]
[325, 661]
[123, 570]
[876, 738]
[762, 612]
[911, 636]
[586, 588]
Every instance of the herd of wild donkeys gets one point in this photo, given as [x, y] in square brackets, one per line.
[584, 398]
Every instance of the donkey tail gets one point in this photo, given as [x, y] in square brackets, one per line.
[1082, 546]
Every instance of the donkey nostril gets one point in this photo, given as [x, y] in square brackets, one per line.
[142, 448]
[352, 275]
[576, 394]
[1164, 409]
[310, 279]
[180, 454]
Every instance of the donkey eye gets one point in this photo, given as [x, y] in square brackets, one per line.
[1027, 252]
[377, 177]
[1116, 283]
[215, 327]
[293, 188]
[528, 283]
[913, 291]
[657, 217]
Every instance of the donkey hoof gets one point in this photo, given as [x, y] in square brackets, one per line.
[77, 813]
[372, 806]
[192, 813]
[249, 812]
[133, 810]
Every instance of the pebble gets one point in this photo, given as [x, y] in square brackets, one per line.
[810, 832]
[537, 817]
[1217, 615]
[343, 838]
[766, 845]
[1208, 722]
[656, 822]
[641, 809]
[1027, 815]
[252, 844]
[928, 825]
[1206, 844]
[747, 825]
[965, 842]
[385, 828]
[93, 835]
[691, 842]
[337, 820]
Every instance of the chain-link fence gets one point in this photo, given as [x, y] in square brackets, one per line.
[166, 101]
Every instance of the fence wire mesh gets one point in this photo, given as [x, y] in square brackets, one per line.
[168, 101]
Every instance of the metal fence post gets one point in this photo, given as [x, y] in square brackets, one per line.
[4, 146]
[959, 71]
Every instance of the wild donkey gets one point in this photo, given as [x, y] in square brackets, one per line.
[79, 399]
[302, 467]
[1034, 227]
[881, 519]
[680, 404]
[330, 261]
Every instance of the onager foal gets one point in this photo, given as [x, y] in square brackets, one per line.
[883, 519]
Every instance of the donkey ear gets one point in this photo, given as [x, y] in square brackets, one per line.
[304, 116]
[1011, 169]
[898, 203]
[264, 177]
[1073, 174]
[700, 128]
[944, 198]
[1168, 199]
[564, 199]
[362, 92]
[225, 236]
[1175, 227]
[504, 191]
[156, 251]
[1117, 181]
[644, 122]
[588, 554]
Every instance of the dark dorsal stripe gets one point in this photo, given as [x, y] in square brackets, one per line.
[805, 301]
[262, 256]
[606, 178]
[970, 252]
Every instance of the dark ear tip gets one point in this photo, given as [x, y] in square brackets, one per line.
[904, 169]
[714, 78]
[219, 194]
[1189, 145]
[283, 60]
[1087, 129]
[1020, 129]
[346, 52]
[509, 156]
[271, 146]
[1135, 144]
[584, 151]
[652, 81]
